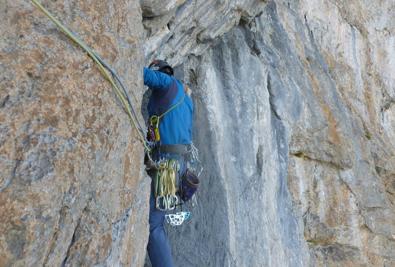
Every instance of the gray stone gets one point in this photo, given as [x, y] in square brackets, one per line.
[70, 164]
[294, 120]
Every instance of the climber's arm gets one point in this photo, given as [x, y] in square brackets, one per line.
[157, 80]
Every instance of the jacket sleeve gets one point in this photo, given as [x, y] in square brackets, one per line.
[157, 80]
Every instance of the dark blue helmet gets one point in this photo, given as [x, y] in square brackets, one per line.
[162, 66]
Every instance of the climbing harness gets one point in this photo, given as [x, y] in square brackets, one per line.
[178, 218]
[189, 181]
[169, 191]
[173, 191]
[108, 73]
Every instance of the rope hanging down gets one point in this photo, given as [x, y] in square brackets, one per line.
[108, 73]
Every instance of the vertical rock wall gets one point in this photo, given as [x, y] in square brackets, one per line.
[244, 213]
[71, 186]
[294, 125]
[346, 193]
[294, 121]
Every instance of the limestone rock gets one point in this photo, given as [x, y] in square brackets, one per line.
[295, 122]
[155, 8]
[72, 191]
[295, 128]
[193, 26]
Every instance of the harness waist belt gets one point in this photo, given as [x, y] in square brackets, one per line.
[175, 149]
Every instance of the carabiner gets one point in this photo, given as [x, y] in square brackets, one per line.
[171, 201]
[154, 123]
[168, 202]
[161, 203]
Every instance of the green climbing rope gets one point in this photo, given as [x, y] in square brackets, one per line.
[165, 180]
[106, 71]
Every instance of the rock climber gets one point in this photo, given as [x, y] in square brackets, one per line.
[171, 106]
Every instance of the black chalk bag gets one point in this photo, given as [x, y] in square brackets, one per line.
[189, 185]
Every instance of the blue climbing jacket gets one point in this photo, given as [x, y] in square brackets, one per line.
[176, 126]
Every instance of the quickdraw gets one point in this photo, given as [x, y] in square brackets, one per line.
[165, 185]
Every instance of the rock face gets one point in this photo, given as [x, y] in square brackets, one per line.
[294, 121]
[71, 186]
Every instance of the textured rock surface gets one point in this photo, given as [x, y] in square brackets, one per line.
[191, 26]
[295, 123]
[71, 186]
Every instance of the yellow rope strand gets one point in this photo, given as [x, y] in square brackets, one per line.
[166, 178]
[102, 69]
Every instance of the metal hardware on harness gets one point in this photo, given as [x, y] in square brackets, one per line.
[178, 218]
[194, 163]
[154, 125]
[165, 185]
[165, 203]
